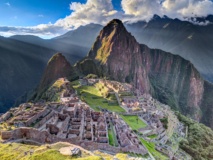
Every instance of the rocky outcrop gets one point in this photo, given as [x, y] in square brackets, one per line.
[169, 78]
[175, 81]
[207, 105]
[57, 67]
[118, 56]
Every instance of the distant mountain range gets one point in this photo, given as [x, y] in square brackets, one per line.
[23, 58]
[192, 42]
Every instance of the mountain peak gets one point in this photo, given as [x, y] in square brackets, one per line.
[112, 34]
[116, 22]
[56, 57]
[57, 67]
[114, 26]
[116, 50]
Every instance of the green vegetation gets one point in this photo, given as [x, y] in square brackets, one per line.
[152, 136]
[93, 97]
[151, 148]
[54, 57]
[112, 137]
[102, 89]
[49, 155]
[17, 151]
[75, 84]
[199, 142]
[164, 121]
[91, 76]
[54, 92]
[6, 127]
[134, 122]
[124, 94]
[122, 156]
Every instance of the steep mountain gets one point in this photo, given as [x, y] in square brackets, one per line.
[24, 57]
[119, 56]
[190, 41]
[21, 66]
[169, 78]
[57, 67]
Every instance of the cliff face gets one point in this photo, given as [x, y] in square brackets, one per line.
[175, 81]
[169, 78]
[207, 105]
[57, 67]
[119, 57]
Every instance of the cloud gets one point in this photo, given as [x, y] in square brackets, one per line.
[8, 4]
[141, 9]
[187, 8]
[102, 11]
[93, 11]
[42, 30]
[41, 15]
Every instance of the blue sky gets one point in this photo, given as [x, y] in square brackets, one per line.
[32, 12]
[49, 18]
[35, 12]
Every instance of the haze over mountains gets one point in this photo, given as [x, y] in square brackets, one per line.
[23, 58]
[192, 42]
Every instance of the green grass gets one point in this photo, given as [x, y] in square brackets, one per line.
[133, 122]
[112, 137]
[94, 99]
[16, 151]
[75, 84]
[151, 148]
[152, 136]
[50, 155]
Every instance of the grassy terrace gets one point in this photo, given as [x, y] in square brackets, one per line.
[93, 97]
[112, 137]
[153, 136]
[151, 148]
[134, 122]
[16, 151]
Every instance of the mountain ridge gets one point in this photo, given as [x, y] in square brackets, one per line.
[169, 78]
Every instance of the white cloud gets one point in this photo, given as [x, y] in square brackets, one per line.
[8, 4]
[93, 11]
[187, 8]
[141, 9]
[102, 11]
[42, 30]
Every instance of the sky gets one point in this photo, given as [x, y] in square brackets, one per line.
[50, 18]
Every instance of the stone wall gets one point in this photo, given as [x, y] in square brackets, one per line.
[5, 116]
[31, 134]
[35, 117]
[37, 136]
[6, 135]
[45, 119]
